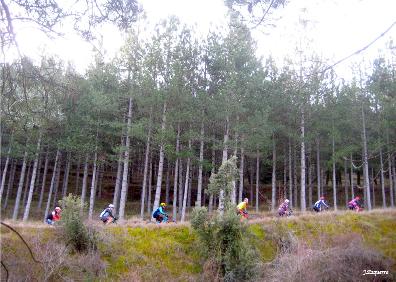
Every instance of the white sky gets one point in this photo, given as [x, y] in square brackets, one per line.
[336, 29]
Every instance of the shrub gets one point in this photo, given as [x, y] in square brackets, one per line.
[76, 233]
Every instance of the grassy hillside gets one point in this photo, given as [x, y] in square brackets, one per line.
[291, 246]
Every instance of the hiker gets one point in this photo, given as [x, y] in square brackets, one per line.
[354, 204]
[107, 214]
[241, 208]
[318, 205]
[283, 208]
[159, 214]
[55, 215]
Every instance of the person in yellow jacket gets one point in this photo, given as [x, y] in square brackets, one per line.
[241, 208]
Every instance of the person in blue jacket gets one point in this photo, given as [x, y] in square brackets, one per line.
[159, 214]
[319, 204]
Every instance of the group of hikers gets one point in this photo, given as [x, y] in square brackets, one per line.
[160, 215]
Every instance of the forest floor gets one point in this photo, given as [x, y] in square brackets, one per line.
[306, 245]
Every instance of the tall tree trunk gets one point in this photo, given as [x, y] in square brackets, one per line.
[116, 196]
[391, 192]
[85, 183]
[175, 178]
[302, 195]
[352, 188]
[210, 208]
[53, 179]
[310, 188]
[295, 194]
[180, 187]
[273, 182]
[365, 164]
[66, 176]
[10, 183]
[373, 186]
[150, 186]
[241, 170]
[394, 180]
[57, 184]
[3, 178]
[334, 174]
[251, 182]
[224, 159]
[124, 186]
[284, 195]
[186, 183]
[318, 167]
[77, 176]
[29, 172]
[33, 179]
[43, 182]
[168, 169]
[257, 179]
[20, 186]
[201, 152]
[290, 175]
[160, 163]
[146, 160]
[190, 187]
[93, 182]
[345, 181]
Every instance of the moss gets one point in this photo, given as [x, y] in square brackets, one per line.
[265, 246]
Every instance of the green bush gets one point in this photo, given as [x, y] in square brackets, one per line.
[76, 233]
[225, 243]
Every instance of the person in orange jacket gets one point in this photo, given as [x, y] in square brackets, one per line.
[55, 215]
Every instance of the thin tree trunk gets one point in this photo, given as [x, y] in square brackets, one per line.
[290, 175]
[53, 179]
[365, 164]
[167, 184]
[345, 181]
[124, 186]
[84, 184]
[29, 172]
[334, 175]
[66, 176]
[284, 195]
[33, 179]
[10, 183]
[273, 182]
[146, 160]
[224, 159]
[160, 164]
[100, 180]
[175, 178]
[3, 178]
[352, 188]
[295, 194]
[201, 152]
[310, 188]
[318, 167]
[391, 192]
[180, 187]
[210, 208]
[373, 186]
[257, 179]
[241, 170]
[20, 186]
[77, 176]
[57, 184]
[303, 203]
[186, 185]
[150, 185]
[44, 180]
[116, 196]
[190, 187]
[394, 180]
[93, 182]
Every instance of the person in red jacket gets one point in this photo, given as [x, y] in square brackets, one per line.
[55, 215]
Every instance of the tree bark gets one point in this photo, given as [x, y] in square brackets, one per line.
[116, 196]
[224, 159]
[334, 174]
[77, 176]
[175, 178]
[201, 152]
[241, 170]
[57, 183]
[3, 178]
[43, 182]
[365, 164]
[167, 184]
[32, 181]
[66, 176]
[310, 188]
[290, 175]
[160, 163]
[124, 186]
[303, 203]
[84, 184]
[352, 188]
[10, 183]
[146, 160]
[391, 192]
[273, 182]
[180, 187]
[53, 179]
[210, 208]
[257, 179]
[318, 167]
[20, 186]
[150, 186]
[29, 172]
[186, 183]
[93, 182]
